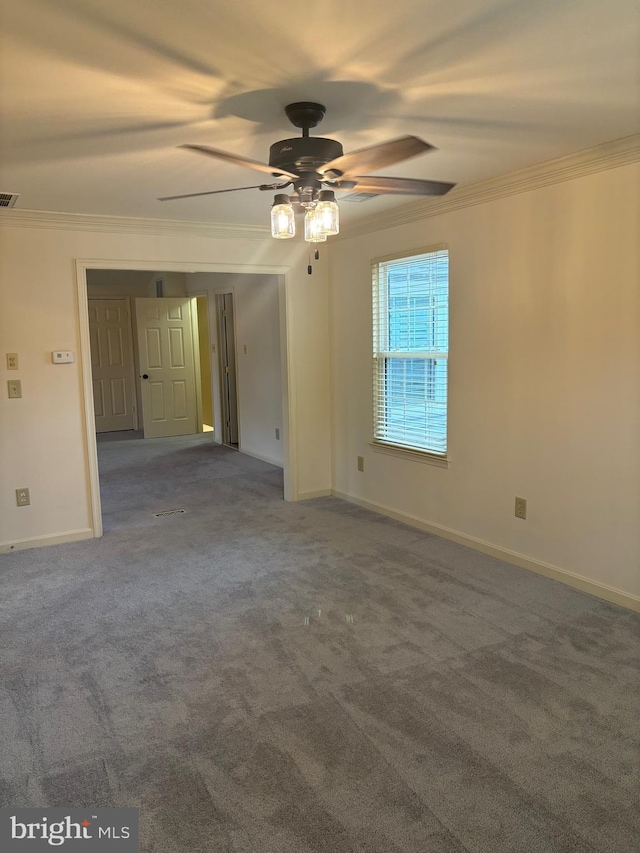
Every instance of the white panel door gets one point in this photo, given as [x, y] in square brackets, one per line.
[111, 364]
[167, 368]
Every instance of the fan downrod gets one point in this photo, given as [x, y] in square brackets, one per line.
[305, 114]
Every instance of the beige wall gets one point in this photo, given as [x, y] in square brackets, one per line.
[544, 373]
[42, 436]
[111, 284]
[256, 301]
[544, 376]
[174, 283]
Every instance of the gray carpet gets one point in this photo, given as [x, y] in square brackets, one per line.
[265, 677]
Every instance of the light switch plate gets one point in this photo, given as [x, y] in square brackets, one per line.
[15, 388]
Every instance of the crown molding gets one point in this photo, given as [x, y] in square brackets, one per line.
[130, 225]
[610, 155]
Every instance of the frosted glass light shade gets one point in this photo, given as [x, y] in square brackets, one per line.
[328, 213]
[313, 232]
[283, 223]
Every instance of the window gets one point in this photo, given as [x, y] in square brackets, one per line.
[410, 349]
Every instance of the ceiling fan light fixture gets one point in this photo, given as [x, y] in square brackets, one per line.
[313, 230]
[328, 213]
[283, 224]
[307, 163]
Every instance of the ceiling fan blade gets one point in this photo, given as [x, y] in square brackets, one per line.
[211, 192]
[395, 186]
[376, 156]
[238, 161]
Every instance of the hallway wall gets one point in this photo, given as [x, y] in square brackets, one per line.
[259, 375]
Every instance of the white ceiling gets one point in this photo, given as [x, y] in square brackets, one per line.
[97, 94]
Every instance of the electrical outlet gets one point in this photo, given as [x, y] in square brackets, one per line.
[521, 508]
[360, 463]
[277, 434]
[12, 361]
[22, 497]
[15, 388]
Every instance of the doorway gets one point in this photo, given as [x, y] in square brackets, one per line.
[204, 346]
[227, 367]
[148, 272]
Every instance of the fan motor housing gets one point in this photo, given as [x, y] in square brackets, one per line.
[303, 154]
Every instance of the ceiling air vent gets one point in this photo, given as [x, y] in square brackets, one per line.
[358, 197]
[8, 199]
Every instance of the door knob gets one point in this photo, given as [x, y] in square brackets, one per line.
[145, 376]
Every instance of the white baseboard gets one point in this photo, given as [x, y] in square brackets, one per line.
[608, 593]
[323, 493]
[42, 541]
[271, 460]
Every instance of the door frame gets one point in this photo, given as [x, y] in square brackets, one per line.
[213, 342]
[288, 398]
[224, 405]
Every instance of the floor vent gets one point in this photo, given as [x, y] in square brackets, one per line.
[169, 512]
[8, 199]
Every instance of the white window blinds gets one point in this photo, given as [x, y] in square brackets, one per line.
[410, 350]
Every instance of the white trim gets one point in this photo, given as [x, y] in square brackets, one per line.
[140, 264]
[407, 453]
[43, 541]
[270, 459]
[414, 254]
[89, 425]
[611, 155]
[323, 493]
[608, 593]
[212, 341]
[131, 307]
[24, 218]
[195, 343]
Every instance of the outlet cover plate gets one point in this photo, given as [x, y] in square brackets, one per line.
[23, 498]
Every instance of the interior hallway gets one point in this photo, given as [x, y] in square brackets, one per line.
[261, 676]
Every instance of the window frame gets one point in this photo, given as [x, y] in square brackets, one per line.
[380, 329]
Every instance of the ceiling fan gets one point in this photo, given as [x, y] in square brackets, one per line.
[316, 167]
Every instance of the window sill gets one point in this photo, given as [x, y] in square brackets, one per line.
[416, 455]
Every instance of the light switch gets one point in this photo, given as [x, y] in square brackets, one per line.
[15, 388]
[12, 361]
